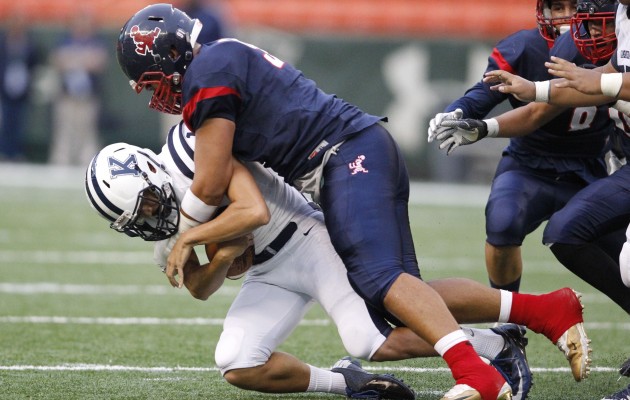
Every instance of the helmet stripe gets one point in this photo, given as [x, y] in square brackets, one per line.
[179, 161]
[92, 185]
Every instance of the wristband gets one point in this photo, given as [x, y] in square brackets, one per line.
[543, 91]
[185, 224]
[611, 84]
[195, 208]
[493, 127]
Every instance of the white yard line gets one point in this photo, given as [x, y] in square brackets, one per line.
[124, 368]
[63, 320]
[37, 319]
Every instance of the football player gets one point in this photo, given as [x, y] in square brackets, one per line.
[538, 173]
[575, 232]
[600, 237]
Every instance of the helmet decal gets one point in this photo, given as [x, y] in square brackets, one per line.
[144, 41]
[127, 167]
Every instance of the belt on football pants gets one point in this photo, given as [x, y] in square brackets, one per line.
[277, 244]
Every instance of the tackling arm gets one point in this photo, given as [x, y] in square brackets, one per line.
[247, 211]
[213, 168]
[576, 87]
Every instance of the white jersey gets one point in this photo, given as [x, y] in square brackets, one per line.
[621, 58]
[285, 203]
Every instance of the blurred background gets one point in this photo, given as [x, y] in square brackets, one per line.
[64, 96]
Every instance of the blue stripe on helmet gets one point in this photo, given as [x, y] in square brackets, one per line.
[101, 196]
[179, 162]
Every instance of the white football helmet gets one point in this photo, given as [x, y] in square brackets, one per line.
[120, 179]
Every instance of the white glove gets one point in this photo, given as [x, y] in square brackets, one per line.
[466, 131]
[163, 248]
[435, 127]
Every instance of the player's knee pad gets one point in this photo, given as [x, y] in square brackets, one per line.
[624, 263]
[229, 347]
[359, 343]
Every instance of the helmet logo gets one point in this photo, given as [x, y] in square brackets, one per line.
[144, 40]
[127, 167]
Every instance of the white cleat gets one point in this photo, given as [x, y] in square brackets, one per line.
[465, 392]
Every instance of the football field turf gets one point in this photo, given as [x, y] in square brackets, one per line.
[84, 314]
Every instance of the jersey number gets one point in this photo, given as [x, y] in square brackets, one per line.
[273, 60]
[582, 118]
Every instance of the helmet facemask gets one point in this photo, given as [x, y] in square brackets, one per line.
[161, 224]
[550, 28]
[594, 31]
[167, 91]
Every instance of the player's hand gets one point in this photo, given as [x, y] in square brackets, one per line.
[162, 249]
[508, 83]
[582, 79]
[434, 125]
[461, 132]
[176, 261]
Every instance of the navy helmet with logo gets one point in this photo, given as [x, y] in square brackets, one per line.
[593, 27]
[154, 49]
[129, 187]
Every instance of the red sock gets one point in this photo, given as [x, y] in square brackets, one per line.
[468, 369]
[550, 314]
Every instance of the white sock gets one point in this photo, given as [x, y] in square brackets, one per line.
[506, 306]
[322, 380]
[485, 342]
[443, 345]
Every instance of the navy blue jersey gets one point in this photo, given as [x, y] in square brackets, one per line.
[521, 53]
[574, 134]
[282, 118]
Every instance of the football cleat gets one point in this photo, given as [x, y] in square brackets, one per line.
[575, 346]
[364, 385]
[623, 394]
[465, 392]
[624, 370]
[511, 362]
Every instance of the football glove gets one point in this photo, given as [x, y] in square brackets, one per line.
[162, 249]
[461, 132]
[435, 125]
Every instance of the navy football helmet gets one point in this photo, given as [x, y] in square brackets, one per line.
[154, 49]
[550, 28]
[593, 28]
[129, 187]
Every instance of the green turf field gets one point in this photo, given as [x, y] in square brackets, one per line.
[85, 315]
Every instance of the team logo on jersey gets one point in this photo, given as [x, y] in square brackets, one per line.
[144, 40]
[127, 167]
[357, 165]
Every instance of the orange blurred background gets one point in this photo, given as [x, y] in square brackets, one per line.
[414, 18]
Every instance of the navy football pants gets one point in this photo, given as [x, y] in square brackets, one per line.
[365, 197]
